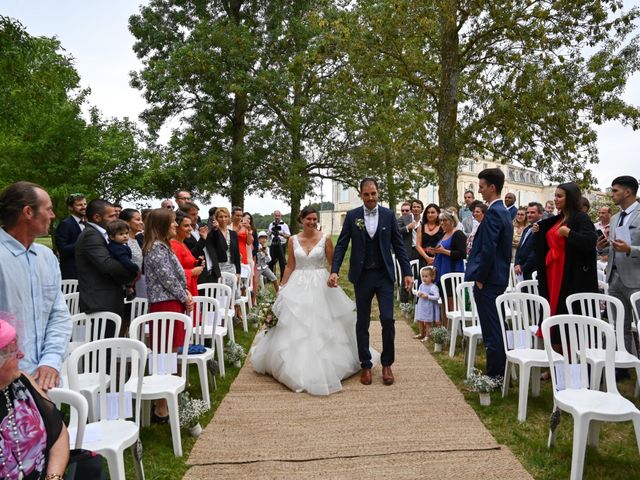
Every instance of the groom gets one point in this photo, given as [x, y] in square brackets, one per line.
[373, 230]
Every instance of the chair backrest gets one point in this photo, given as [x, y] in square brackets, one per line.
[73, 302]
[595, 305]
[634, 300]
[415, 267]
[206, 312]
[219, 291]
[517, 312]
[161, 330]
[578, 334]
[114, 402]
[79, 410]
[139, 306]
[451, 280]
[230, 280]
[603, 287]
[246, 275]
[88, 327]
[69, 286]
[534, 275]
[464, 291]
[528, 286]
[513, 278]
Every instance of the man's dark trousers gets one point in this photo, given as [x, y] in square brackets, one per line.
[490, 325]
[276, 251]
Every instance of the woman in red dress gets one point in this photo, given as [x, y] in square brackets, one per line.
[566, 253]
[192, 267]
[245, 237]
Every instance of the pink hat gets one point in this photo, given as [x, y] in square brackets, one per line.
[7, 333]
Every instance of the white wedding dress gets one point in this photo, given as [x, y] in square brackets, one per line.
[313, 346]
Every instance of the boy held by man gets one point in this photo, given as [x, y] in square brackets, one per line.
[118, 233]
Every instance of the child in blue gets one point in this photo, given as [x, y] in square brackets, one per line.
[427, 309]
[118, 233]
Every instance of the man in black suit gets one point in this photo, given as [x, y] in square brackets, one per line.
[67, 234]
[100, 276]
[525, 259]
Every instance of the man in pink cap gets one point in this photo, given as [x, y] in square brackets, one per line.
[30, 282]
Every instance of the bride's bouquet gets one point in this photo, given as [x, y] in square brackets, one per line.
[267, 317]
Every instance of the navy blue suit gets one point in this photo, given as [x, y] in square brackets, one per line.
[526, 254]
[65, 237]
[513, 210]
[489, 263]
[371, 271]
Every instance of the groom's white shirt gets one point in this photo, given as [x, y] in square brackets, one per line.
[371, 221]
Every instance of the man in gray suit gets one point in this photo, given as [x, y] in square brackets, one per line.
[100, 276]
[623, 247]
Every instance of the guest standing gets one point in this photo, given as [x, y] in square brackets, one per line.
[450, 253]
[134, 220]
[566, 253]
[488, 266]
[519, 224]
[192, 267]
[479, 209]
[226, 241]
[67, 233]
[525, 257]
[166, 282]
[429, 234]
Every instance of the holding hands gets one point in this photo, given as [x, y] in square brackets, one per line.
[332, 282]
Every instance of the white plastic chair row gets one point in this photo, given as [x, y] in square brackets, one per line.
[73, 302]
[570, 379]
[470, 323]
[69, 286]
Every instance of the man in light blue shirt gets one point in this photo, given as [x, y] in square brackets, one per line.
[30, 282]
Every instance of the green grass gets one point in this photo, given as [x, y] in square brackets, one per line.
[616, 458]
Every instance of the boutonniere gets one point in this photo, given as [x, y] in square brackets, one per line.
[360, 223]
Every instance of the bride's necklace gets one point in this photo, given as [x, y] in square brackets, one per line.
[12, 429]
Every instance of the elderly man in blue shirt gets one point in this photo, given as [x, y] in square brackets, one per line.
[30, 282]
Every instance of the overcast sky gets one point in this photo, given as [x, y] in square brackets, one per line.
[96, 35]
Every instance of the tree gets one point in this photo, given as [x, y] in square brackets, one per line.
[198, 60]
[509, 80]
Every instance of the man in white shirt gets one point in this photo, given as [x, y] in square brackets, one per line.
[623, 248]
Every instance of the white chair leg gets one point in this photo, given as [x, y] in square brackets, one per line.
[636, 427]
[243, 312]
[523, 393]
[471, 355]
[505, 381]
[535, 381]
[593, 438]
[172, 403]
[115, 463]
[636, 392]
[232, 337]
[454, 334]
[596, 376]
[204, 381]
[580, 433]
[137, 462]
[219, 349]
[146, 413]
[553, 427]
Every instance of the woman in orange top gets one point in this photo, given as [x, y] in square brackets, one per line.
[192, 267]
[245, 237]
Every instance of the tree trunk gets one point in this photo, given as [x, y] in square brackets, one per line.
[448, 149]
[237, 178]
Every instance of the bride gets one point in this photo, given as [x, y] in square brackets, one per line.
[313, 346]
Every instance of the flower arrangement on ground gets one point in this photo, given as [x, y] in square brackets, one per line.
[406, 308]
[440, 335]
[481, 383]
[234, 353]
[190, 411]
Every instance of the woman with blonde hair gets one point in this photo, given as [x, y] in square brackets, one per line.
[519, 224]
[226, 241]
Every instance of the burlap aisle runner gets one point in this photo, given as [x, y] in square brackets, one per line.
[262, 429]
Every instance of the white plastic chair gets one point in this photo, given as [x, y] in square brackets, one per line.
[524, 310]
[204, 315]
[139, 307]
[590, 305]
[73, 302]
[69, 286]
[570, 381]
[457, 313]
[534, 275]
[79, 412]
[246, 276]
[470, 323]
[115, 431]
[531, 286]
[89, 327]
[513, 279]
[238, 301]
[215, 324]
[160, 382]
[224, 295]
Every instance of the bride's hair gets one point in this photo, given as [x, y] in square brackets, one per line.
[306, 211]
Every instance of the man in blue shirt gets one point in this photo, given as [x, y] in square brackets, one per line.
[30, 282]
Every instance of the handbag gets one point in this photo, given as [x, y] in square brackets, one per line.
[84, 465]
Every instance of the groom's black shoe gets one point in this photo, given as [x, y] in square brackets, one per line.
[387, 376]
[365, 376]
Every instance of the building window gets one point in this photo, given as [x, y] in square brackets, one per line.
[344, 193]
